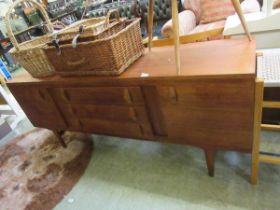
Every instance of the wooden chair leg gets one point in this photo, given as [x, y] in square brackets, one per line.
[59, 136]
[210, 160]
[254, 172]
[175, 25]
[257, 130]
[150, 23]
[238, 9]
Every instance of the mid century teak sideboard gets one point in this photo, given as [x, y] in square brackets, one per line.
[211, 104]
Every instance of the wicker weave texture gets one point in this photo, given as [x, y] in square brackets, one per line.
[107, 53]
[30, 54]
[91, 26]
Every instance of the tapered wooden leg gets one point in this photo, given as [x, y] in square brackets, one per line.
[254, 171]
[238, 9]
[175, 25]
[210, 160]
[59, 135]
[150, 23]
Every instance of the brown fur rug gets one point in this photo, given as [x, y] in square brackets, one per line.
[36, 172]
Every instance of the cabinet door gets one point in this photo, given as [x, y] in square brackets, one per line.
[39, 107]
[209, 113]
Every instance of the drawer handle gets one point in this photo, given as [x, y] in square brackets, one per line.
[133, 114]
[141, 130]
[173, 94]
[80, 123]
[42, 96]
[65, 95]
[72, 110]
[127, 96]
[77, 62]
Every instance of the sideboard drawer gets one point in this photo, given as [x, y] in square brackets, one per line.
[211, 94]
[127, 121]
[104, 112]
[99, 95]
[114, 128]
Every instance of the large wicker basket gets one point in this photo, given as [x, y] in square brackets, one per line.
[107, 53]
[30, 54]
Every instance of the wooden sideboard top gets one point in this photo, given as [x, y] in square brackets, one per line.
[229, 57]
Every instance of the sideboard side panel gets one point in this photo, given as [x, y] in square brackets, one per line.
[39, 107]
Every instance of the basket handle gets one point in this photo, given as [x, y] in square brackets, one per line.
[107, 22]
[113, 11]
[85, 9]
[77, 62]
[8, 20]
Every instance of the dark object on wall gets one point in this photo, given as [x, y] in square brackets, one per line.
[33, 16]
[19, 11]
[5, 46]
[64, 10]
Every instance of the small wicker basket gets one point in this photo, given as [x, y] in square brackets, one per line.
[30, 54]
[109, 52]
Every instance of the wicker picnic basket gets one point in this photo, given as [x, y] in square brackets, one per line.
[30, 54]
[109, 52]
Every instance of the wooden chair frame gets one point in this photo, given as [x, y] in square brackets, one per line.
[176, 39]
[257, 158]
[259, 87]
[191, 38]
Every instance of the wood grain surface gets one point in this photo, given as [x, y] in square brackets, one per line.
[210, 105]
